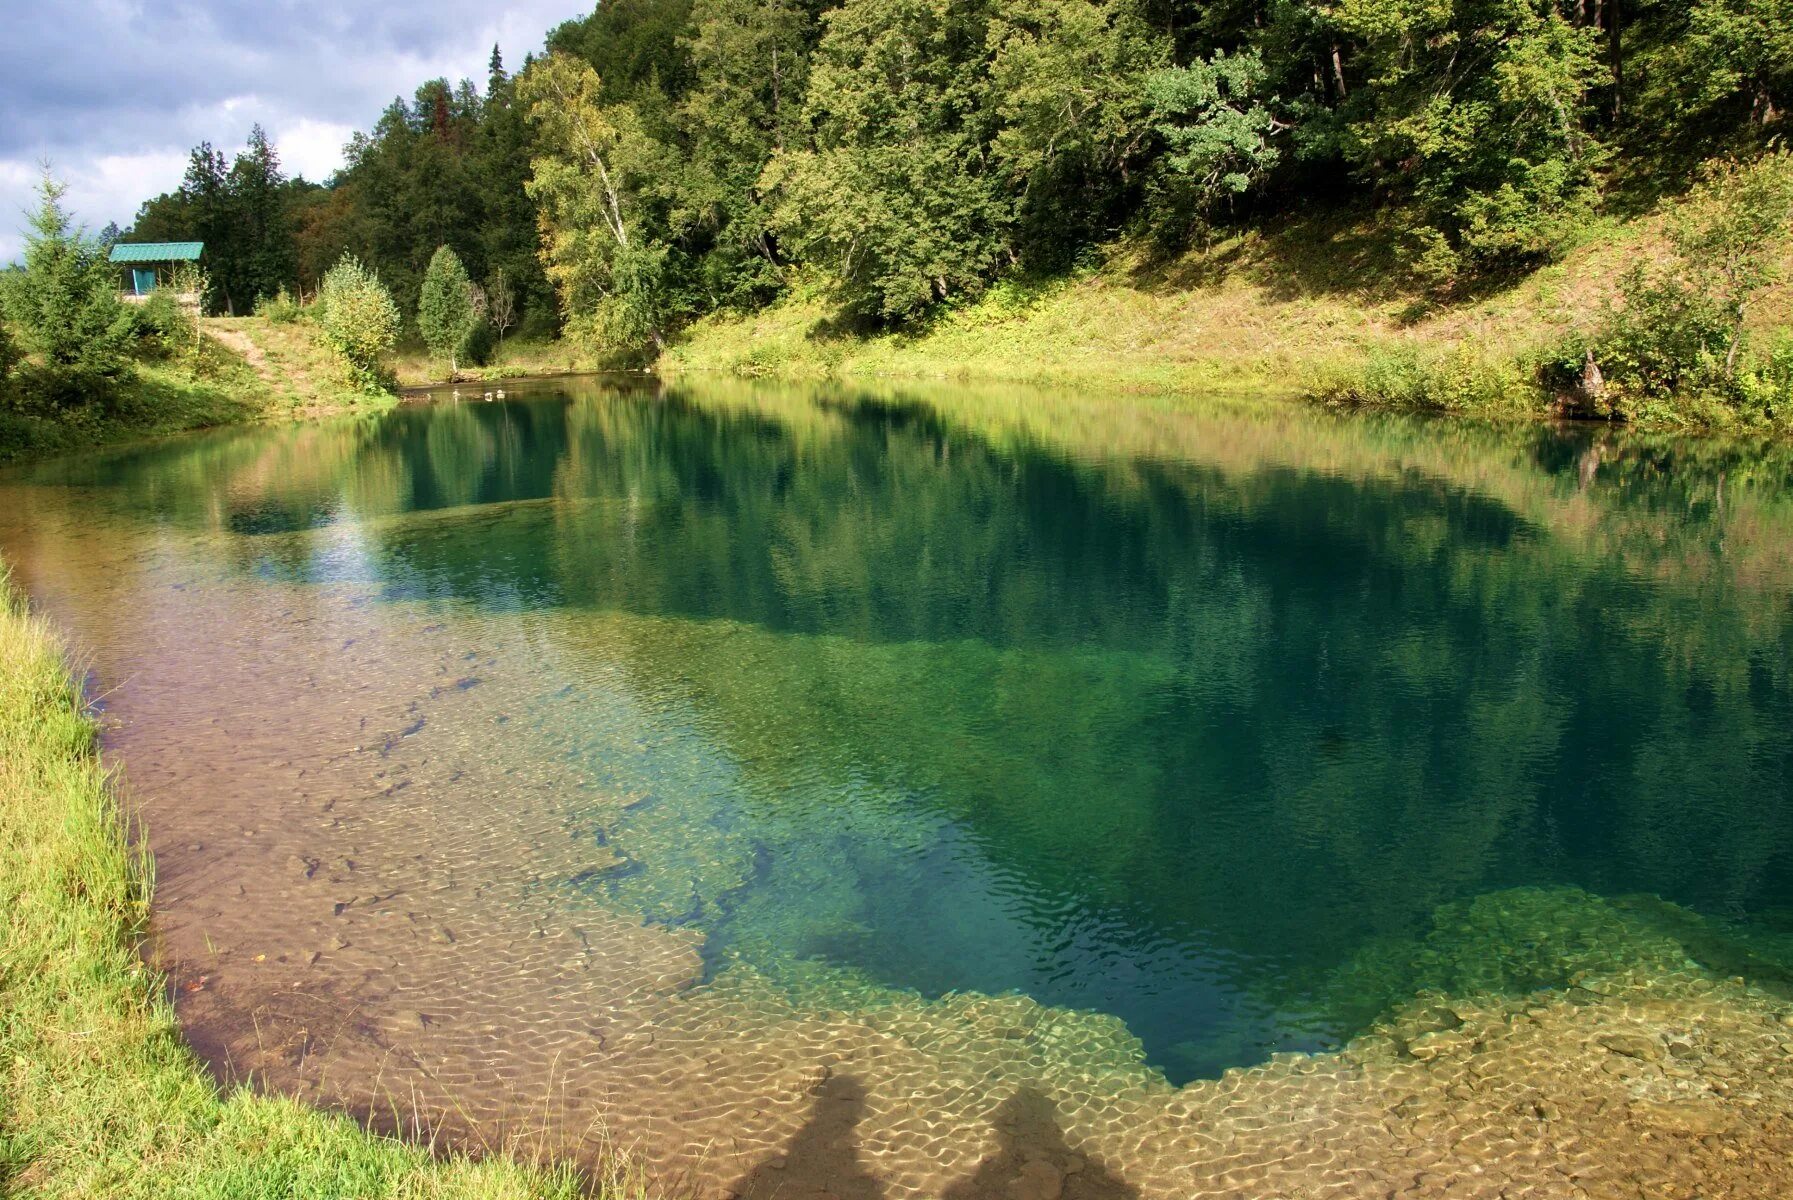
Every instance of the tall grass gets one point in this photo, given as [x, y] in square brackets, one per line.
[99, 1096]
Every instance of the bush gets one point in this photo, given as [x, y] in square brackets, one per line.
[359, 321]
[279, 308]
[164, 328]
[1464, 380]
[482, 344]
[1678, 336]
[9, 354]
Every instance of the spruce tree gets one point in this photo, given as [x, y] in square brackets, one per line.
[445, 313]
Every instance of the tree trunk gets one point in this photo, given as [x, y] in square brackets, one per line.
[1338, 70]
[1616, 44]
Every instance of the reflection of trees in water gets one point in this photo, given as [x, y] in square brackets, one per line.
[1255, 685]
[1031, 1160]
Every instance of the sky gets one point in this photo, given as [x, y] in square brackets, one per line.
[113, 94]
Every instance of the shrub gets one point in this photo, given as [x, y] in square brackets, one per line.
[279, 308]
[359, 321]
[164, 328]
[1679, 335]
[1463, 380]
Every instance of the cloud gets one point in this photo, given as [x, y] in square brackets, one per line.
[114, 93]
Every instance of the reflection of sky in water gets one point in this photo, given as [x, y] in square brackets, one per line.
[1203, 742]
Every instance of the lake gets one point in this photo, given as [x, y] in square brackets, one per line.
[945, 790]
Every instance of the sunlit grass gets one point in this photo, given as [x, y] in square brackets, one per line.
[1315, 306]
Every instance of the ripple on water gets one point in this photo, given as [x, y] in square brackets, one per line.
[637, 788]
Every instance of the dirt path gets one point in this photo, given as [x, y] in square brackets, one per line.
[243, 344]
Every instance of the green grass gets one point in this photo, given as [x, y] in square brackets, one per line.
[149, 399]
[1314, 306]
[99, 1095]
[516, 358]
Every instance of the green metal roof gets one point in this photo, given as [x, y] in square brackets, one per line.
[144, 252]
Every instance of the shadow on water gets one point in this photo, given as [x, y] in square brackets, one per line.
[823, 1157]
[1031, 1161]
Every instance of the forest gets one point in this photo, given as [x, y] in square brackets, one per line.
[665, 159]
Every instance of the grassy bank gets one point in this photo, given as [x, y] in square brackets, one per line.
[516, 358]
[99, 1096]
[304, 376]
[213, 387]
[1315, 306]
[239, 370]
[1288, 311]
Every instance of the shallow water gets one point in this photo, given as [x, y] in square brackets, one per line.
[1208, 731]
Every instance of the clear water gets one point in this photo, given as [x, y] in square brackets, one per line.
[1200, 715]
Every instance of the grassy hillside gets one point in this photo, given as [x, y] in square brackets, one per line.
[99, 1095]
[211, 387]
[1313, 307]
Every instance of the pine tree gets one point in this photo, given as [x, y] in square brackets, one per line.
[65, 298]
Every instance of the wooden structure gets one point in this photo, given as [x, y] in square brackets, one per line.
[149, 266]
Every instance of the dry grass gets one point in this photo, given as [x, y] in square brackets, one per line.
[1291, 310]
[299, 372]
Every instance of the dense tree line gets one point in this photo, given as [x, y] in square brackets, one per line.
[670, 157]
[444, 168]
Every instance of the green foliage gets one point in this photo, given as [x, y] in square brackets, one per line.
[280, 308]
[359, 320]
[896, 195]
[9, 353]
[632, 45]
[1463, 380]
[1681, 329]
[749, 67]
[1216, 131]
[65, 302]
[445, 308]
[593, 173]
[1477, 107]
[1071, 109]
[1735, 55]
[165, 328]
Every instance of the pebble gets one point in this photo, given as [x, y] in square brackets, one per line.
[1633, 1045]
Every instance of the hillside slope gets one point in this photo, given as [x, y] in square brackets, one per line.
[1314, 307]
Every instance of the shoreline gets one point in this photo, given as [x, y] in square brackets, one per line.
[1545, 1091]
[87, 1024]
[1627, 1076]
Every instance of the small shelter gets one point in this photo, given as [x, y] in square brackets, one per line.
[149, 265]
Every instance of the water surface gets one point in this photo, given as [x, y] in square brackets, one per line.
[1224, 724]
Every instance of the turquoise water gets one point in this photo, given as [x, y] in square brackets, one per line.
[1224, 721]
